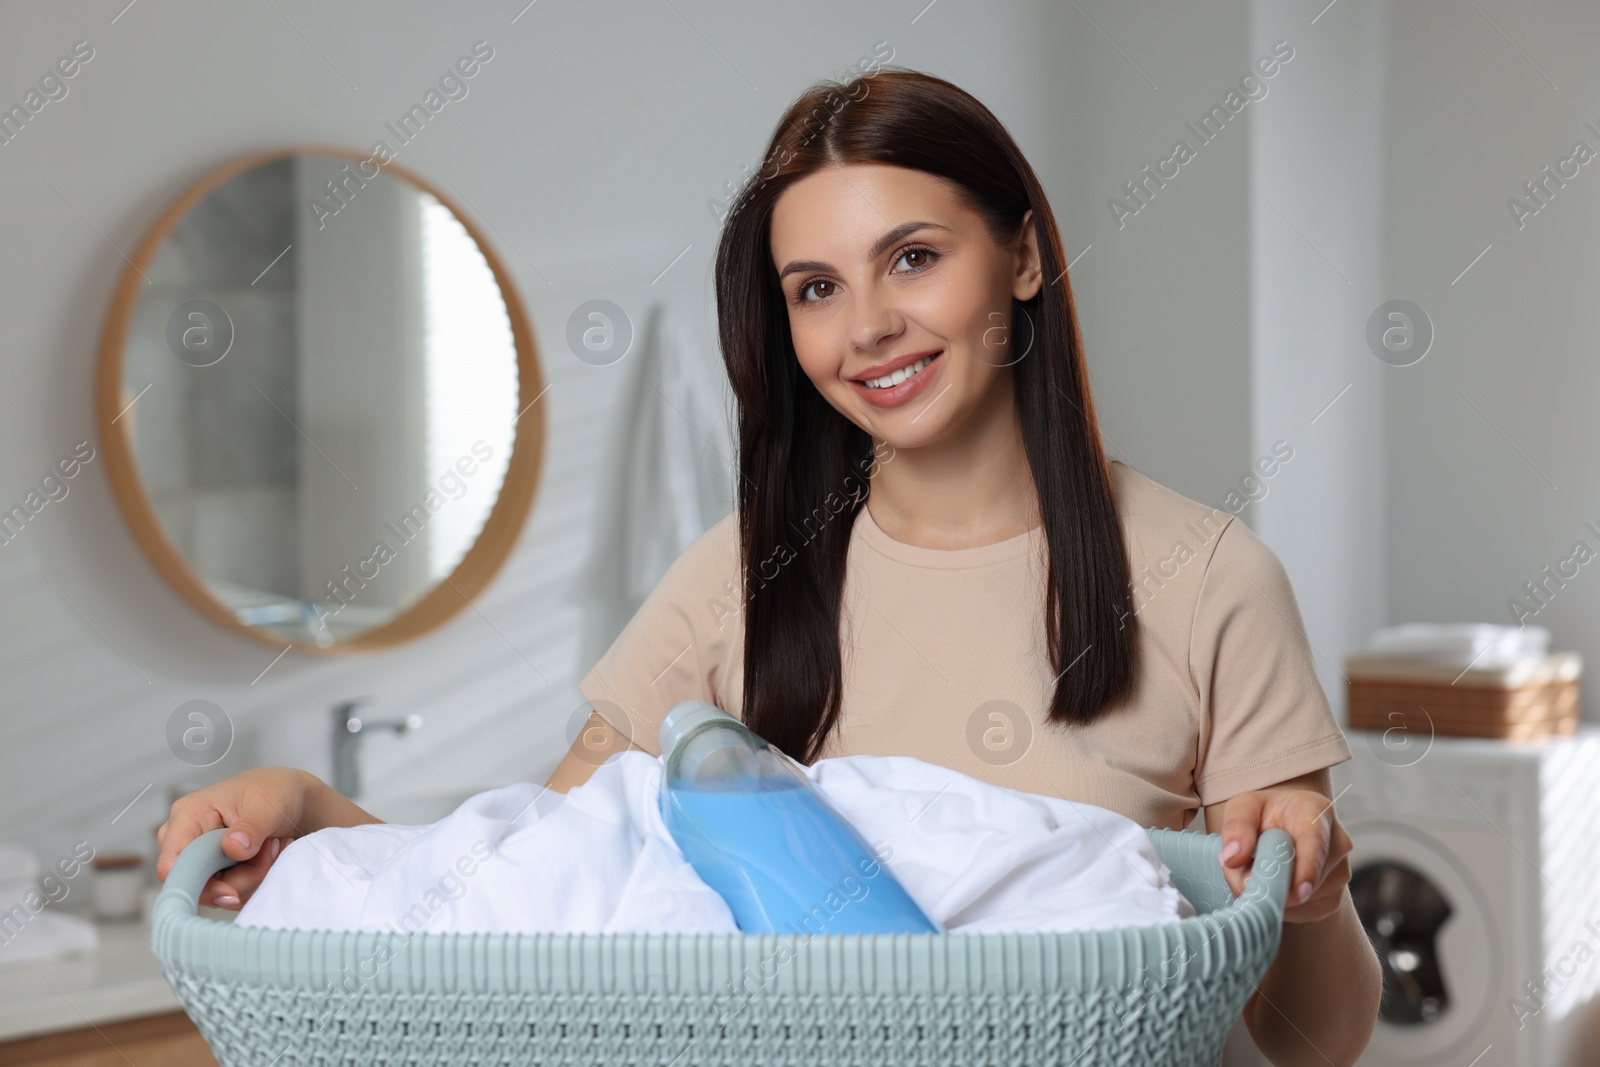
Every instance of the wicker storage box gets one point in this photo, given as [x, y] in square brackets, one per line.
[1532, 699]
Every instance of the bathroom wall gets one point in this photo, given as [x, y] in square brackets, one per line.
[1491, 467]
[1316, 266]
[1163, 295]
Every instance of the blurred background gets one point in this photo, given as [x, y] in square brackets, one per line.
[1424, 153]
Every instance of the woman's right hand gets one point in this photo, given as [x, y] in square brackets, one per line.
[263, 809]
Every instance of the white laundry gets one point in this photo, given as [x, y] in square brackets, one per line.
[977, 858]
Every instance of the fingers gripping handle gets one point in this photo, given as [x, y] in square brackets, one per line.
[1272, 869]
[199, 860]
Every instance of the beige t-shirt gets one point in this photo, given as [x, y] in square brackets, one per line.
[944, 659]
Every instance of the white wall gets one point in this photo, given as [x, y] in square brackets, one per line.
[1316, 264]
[1163, 299]
[1491, 464]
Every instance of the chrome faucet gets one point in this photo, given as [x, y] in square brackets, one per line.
[347, 730]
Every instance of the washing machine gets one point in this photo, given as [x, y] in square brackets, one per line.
[1476, 873]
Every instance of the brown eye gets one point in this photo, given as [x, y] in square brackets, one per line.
[917, 258]
[813, 285]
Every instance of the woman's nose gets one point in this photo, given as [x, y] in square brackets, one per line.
[876, 320]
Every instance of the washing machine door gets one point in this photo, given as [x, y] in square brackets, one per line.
[1433, 932]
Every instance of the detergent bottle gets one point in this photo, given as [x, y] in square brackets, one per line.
[758, 832]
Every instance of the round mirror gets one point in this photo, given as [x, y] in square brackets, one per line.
[317, 398]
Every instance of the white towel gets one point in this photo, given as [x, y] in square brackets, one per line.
[1483, 645]
[669, 480]
[31, 928]
[44, 935]
[977, 858]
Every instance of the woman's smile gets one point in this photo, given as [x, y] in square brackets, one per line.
[902, 379]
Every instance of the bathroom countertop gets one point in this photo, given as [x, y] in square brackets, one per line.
[119, 980]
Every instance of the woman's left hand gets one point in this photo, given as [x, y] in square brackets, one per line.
[1321, 846]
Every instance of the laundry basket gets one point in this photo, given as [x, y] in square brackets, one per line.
[1163, 994]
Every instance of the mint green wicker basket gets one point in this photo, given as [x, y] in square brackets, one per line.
[1164, 994]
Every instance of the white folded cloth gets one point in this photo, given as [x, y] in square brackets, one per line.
[30, 936]
[1484, 645]
[30, 927]
[977, 858]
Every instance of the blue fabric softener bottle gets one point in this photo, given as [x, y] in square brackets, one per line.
[758, 832]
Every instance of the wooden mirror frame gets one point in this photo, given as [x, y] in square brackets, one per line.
[500, 531]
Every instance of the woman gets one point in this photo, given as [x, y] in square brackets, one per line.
[941, 561]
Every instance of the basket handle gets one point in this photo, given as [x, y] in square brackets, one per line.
[1271, 870]
[199, 860]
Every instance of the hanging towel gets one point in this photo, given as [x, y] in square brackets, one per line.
[670, 479]
[977, 858]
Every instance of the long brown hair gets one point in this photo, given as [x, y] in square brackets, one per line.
[803, 467]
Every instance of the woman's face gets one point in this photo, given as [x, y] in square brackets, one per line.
[884, 268]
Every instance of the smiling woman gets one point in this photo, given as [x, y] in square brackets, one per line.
[897, 287]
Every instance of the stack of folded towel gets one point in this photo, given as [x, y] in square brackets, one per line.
[977, 858]
[1480, 644]
[30, 928]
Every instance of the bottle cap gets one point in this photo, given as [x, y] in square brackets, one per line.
[684, 718]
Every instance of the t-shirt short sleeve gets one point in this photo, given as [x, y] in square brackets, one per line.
[1266, 717]
[676, 647]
